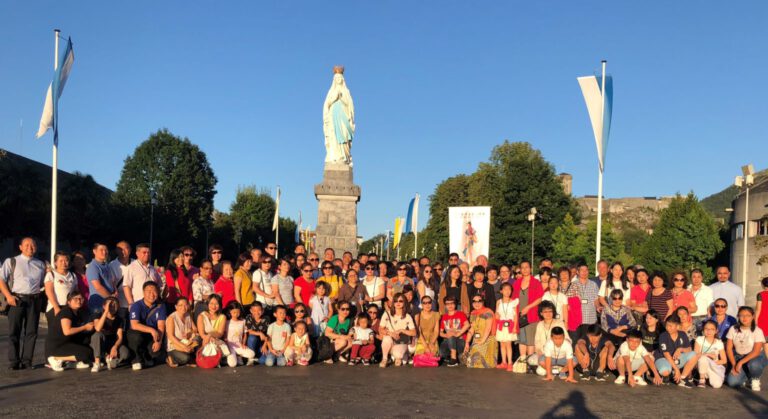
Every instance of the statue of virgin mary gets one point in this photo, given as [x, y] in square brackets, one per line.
[338, 120]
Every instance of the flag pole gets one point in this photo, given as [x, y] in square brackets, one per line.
[55, 160]
[277, 226]
[600, 174]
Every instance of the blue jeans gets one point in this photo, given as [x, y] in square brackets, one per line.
[662, 365]
[752, 369]
[447, 345]
[271, 359]
[254, 343]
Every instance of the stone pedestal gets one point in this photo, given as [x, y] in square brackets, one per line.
[337, 198]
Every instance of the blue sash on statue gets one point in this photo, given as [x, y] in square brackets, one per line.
[341, 127]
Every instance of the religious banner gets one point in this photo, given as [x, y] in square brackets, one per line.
[469, 232]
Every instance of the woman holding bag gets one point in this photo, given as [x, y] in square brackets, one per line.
[397, 328]
[211, 326]
[481, 348]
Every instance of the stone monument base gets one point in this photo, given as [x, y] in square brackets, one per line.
[337, 198]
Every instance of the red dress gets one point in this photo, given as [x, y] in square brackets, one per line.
[762, 321]
[307, 289]
[226, 289]
[181, 286]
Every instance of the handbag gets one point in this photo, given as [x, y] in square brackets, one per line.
[574, 313]
[4, 305]
[325, 348]
[425, 361]
[208, 356]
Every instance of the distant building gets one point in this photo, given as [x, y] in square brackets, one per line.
[567, 180]
[588, 204]
[757, 227]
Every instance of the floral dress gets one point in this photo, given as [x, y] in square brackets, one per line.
[482, 355]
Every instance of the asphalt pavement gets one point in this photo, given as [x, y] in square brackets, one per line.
[344, 391]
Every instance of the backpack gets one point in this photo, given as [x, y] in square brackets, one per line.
[4, 305]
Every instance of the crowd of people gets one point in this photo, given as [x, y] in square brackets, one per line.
[626, 324]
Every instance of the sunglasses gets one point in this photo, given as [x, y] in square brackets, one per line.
[427, 272]
[327, 267]
[307, 270]
[313, 259]
[216, 252]
[720, 306]
[373, 312]
[368, 269]
[617, 298]
[399, 301]
[344, 309]
[299, 311]
[426, 302]
[189, 255]
[271, 248]
[679, 279]
[402, 269]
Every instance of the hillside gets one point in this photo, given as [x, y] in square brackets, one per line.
[718, 202]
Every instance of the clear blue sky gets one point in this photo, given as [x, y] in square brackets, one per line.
[436, 85]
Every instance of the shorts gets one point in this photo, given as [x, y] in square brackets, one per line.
[662, 365]
[528, 334]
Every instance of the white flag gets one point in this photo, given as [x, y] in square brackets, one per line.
[59, 80]
[277, 211]
[599, 109]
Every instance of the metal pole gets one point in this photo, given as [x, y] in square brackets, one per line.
[600, 175]
[533, 229]
[746, 242]
[55, 162]
[151, 224]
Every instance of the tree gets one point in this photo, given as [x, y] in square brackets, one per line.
[251, 216]
[686, 237]
[569, 244]
[611, 246]
[184, 183]
[84, 213]
[514, 180]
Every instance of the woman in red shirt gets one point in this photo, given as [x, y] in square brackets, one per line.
[761, 313]
[529, 291]
[638, 294]
[225, 286]
[681, 297]
[304, 286]
[177, 281]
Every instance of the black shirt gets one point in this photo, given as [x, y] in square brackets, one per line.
[650, 339]
[56, 335]
[486, 291]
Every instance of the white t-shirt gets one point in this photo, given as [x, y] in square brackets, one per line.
[606, 293]
[707, 348]
[278, 335]
[704, 299]
[559, 300]
[638, 353]
[565, 351]
[507, 311]
[118, 272]
[263, 281]
[744, 340]
[134, 277]
[362, 335]
[62, 286]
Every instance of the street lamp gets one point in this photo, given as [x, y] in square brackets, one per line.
[152, 203]
[532, 219]
[745, 182]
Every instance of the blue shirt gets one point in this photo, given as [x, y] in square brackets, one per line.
[140, 312]
[101, 272]
[724, 327]
[28, 275]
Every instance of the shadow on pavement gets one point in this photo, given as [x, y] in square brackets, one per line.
[24, 383]
[753, 402]
[575, 402]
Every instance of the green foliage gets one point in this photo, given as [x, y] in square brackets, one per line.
[515, 179]
[611, 246]
[686, 237]
[572, 244]
[84, 212]
[185, 184]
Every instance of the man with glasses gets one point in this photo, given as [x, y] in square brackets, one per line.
[727, 290]
[453, 330]
[21, 279]
[138, 272]
[215, 254]
[271, 249]
[314, 260]
[721, 317]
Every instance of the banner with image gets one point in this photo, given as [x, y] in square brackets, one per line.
[469, 232]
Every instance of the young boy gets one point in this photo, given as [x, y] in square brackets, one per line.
[453, 330]
[592, 354]
[277, 333]
[557, 354]
[634, 361]
[256, 327]
[673, 353]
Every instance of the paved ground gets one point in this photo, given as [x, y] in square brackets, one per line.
[341, 391]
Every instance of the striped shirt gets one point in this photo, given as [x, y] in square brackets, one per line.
[588, 294]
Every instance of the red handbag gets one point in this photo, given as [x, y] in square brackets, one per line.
[208, 356]
[425, 361]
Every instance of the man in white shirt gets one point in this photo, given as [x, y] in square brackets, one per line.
[703, 295]
[727, 290]
[118, 266]
[138, 272]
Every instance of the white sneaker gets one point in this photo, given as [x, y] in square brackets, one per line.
[55, 364]
[541, 371]
[136, 366]
[95, 367]
[111, 363]
[640, 381]
[621, 380]
[82, 365]
[755, 384]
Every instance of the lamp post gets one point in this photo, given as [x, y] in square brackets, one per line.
[152, 203]
[532, 219]
[745, 182]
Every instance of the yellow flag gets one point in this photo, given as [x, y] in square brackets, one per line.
[398, 232]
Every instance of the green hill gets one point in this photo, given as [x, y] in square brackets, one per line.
[718, 202]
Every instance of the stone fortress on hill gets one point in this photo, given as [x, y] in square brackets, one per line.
[588, 203]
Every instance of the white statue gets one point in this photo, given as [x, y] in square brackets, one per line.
[338, 120]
